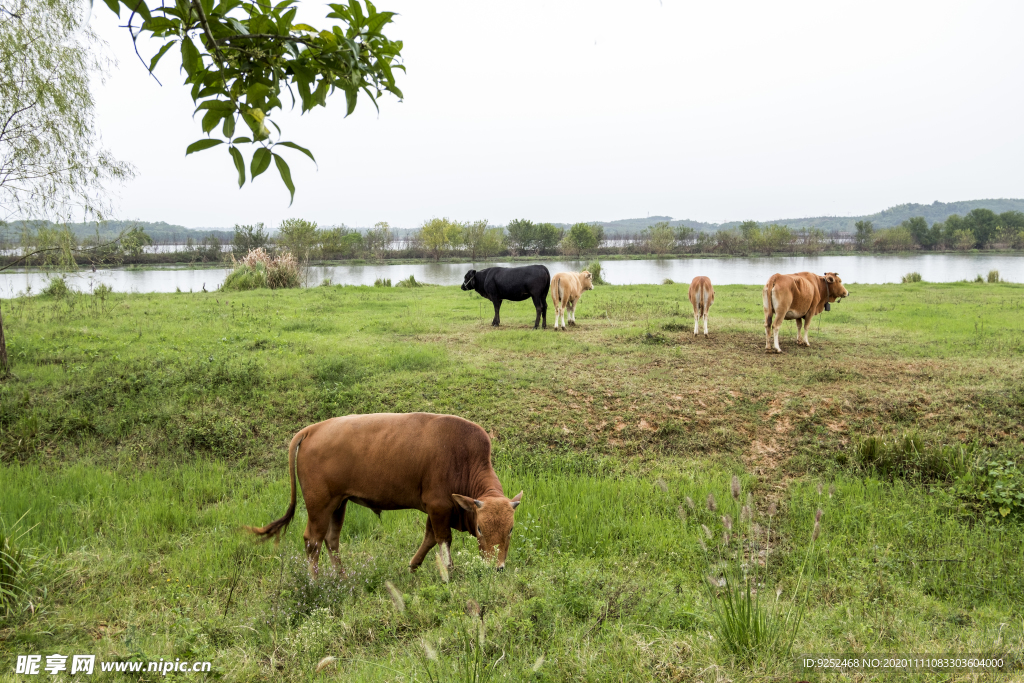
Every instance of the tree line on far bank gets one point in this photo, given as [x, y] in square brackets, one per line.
[440, 238]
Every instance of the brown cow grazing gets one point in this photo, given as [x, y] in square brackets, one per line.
[566, 290]
[799, 297]
[438, 464]
[702, 295]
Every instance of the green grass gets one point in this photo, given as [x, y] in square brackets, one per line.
[141, 432]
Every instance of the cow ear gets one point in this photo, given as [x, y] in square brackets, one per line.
[467, 503]
[517, 500]
[830, 279]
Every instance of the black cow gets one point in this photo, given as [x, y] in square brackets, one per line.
[514, 284]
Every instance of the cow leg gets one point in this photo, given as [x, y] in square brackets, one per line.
[316, 529]
[334, 535]
[807, 328]
[799, 338]
[705, 322]
[542, 308]
[439, 521]
[428, 543]
[497, 310]
[768, 331]
[572, 314]
[558, 314]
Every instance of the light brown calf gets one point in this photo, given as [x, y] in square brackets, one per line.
[438, 464]
[799, 297]
[702, 295]
[566, 290]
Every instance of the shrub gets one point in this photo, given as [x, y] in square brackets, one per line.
[102, 291]
[595, 270]
[57, 287]
[258, 270]
[668, 281]
[993, 276]
[911, 277]
[993, 487]
[979, 278]
[409, 282]
[383, 282]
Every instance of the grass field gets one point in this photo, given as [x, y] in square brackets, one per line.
[141, 432]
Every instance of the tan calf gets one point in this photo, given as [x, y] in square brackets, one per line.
[798, 297]
[566, 290]
[438, 464]
[702, 295]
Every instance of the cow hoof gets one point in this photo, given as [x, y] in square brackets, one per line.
[573, 323]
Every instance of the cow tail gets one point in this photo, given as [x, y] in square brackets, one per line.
[766, 295]
[279, 526]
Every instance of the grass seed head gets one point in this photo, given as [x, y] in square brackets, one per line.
[735, 487]
[727, 522]
[712, 505]
[773, 510]
[745, 514]
[324, 663]
[440, 559]
[707, 531]
[396, 597]
[472, 608]
[726, 537]
[681, 511]
[817, 515]
[689, 502]
[660, 483]
[831, 490]
[538, 664]
[817, 530]
[429, 650]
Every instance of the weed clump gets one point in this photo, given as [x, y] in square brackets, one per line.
[410, 282]
[383, 282]
[668, 281]
[595, 271]
[993, 276]
[911, 277]
[259, 270]
[58, 288]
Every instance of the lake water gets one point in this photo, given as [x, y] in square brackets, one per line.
[722, 271]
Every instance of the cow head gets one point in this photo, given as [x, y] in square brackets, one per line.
[490, 520]
[835, 288]
[470, 281]
[587, 279]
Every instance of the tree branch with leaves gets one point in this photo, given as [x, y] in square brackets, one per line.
[244, 58]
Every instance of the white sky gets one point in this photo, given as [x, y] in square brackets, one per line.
[587, 110]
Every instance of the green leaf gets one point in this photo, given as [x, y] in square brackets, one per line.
[211, 119]
[114, 6]
[190, 58]
[239, 141]
[236, 156]
[286, 176]
[237, 25]
[350, 95]
[260, 162]
[219, 105]
[200, 145]
[301, 149]
[159, 24]
[229, 127]
[159, 54]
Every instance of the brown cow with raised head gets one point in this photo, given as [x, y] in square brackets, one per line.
[799, 297]
[702, 295]
[566, 290]
[438, 464]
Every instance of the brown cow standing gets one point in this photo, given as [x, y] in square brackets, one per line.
[566, 290]
[438, 464]
[702, 295]
[799, 297]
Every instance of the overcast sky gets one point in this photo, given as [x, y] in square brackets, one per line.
[571, 111]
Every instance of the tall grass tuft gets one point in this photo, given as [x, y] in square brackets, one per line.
[382, 282]
[595, 271]
[993, 276]
[19, 571]
[58, 288]
[409, 282]
[259, 270]
[911, 277]
[749, 627]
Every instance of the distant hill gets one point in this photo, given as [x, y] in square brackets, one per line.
[933, 213]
